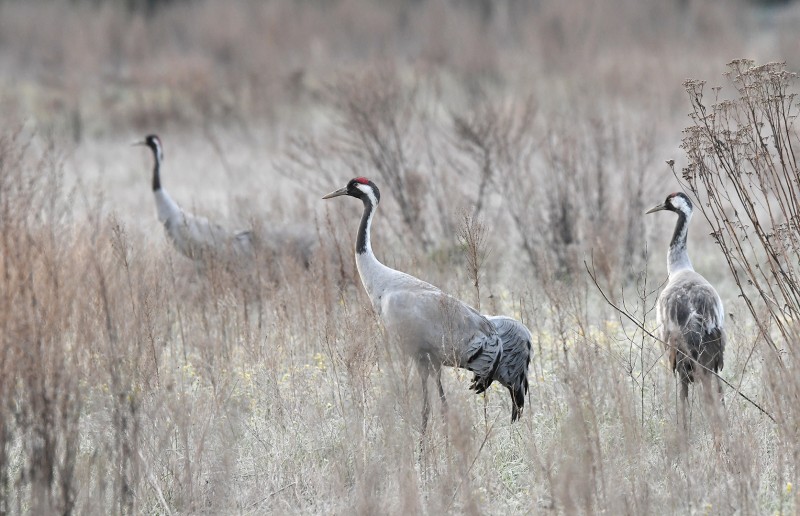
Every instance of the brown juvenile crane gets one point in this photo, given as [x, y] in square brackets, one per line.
[434, 328]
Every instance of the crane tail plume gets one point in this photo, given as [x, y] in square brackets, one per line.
[512, 370]
[518, 398]
[705, 348]
[480, 383]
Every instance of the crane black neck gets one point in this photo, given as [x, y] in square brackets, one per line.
[156, 172]
[362, 241]
[156, 178]
[681, 230]
[678, 255]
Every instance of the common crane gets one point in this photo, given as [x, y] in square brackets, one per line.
[434, 328]
[200, 239]
[195, 237]
[689, 310]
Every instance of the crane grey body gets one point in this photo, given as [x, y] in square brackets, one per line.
[196, 237]
[689, 310]
[200, 239]
[434, 328]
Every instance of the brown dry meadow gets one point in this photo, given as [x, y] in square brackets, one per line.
[516, 144]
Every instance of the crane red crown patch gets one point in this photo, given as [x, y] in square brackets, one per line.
[362, 180]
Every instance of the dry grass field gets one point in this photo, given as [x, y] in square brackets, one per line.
[135, 381]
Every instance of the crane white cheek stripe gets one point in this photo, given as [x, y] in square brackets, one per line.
[370, 193]
[680, 204]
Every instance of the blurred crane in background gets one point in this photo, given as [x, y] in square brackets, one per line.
[200, 239]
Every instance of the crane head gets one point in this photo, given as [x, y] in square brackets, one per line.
[361, 188]
[678, 202]
[152, 141]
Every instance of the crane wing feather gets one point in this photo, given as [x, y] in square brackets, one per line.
[692, 318]
[426, 321]
[516, 339]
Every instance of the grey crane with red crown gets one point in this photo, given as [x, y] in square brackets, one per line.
[434, 328]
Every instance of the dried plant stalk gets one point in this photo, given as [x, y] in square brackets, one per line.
[743, 169]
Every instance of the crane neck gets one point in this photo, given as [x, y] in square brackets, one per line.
[156, 172]
[166, 207]
[363, 244]
[375, 276]
[678, 256]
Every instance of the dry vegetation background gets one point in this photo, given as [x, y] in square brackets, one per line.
[132, 383]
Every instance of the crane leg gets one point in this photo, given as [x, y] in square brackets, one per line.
[709, 381]
[714, 397]
[441, 389]
[684, 400]
[424, 371]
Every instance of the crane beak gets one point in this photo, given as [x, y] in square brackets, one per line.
[656, 208]
[138, 142]
[337, 193]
